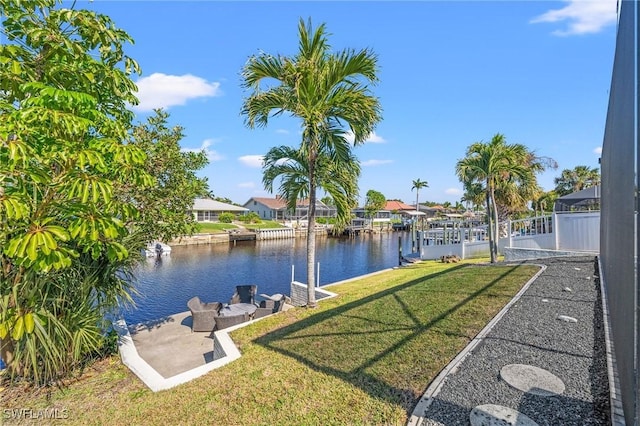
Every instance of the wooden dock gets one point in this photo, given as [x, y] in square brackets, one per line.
[240, 235]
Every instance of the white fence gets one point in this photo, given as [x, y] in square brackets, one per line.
[275, 233]
[579, 231]
[566, 232]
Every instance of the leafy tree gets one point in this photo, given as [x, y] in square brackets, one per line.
[64, 90]
[576, 179]
[498, 168]
[375, 201]
[225, 200]
[291, 166]
[418, 185]
[330, 95]
[165, 208]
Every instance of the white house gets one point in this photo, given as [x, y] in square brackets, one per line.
[276, 209]
[208, 210]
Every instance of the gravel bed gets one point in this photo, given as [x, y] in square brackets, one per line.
[530, 333]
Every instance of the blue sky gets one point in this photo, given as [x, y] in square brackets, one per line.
[451, 73]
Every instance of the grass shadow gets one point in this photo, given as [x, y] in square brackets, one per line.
[390, 344]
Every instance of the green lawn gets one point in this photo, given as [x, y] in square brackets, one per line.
[214, 227]
[362, 358]
[218, 227]
[265, 224]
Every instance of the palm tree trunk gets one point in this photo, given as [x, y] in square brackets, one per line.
[496, 226]
[490, 216]
[311, 234]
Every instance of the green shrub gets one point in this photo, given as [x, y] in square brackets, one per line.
[251, 217]
[226, 217]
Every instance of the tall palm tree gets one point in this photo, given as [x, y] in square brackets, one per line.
[417, 185]
[492, 164]
[328, 92]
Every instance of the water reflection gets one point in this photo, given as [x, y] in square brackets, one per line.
[212, 271]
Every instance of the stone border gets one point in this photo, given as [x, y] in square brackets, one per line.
[417, 417]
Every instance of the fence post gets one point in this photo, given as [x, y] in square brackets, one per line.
[554, 228]
[463, 242]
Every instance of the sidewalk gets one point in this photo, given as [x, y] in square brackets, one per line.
[550, 345]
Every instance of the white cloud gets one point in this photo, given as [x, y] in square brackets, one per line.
[582, 16]
[282, 131]
[246, 185]
[164, 91]
[375, 162]
[254, 161]
[372, 138]
[597, 150]
[211, 154]
[453, 191]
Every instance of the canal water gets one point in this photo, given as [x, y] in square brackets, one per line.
[165, 284]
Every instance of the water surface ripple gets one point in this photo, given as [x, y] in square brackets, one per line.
[212, 271]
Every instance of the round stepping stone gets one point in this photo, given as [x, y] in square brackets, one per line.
[534, 380]
[497, 415]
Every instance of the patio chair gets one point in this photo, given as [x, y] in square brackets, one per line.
[226, 322]
[244, 294]
[203, 314]
[272, 304]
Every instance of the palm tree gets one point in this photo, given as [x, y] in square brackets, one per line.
[545, 201]
[497, 166]
[579, 178]
[417, 185]
[291, 167]
[330, 95]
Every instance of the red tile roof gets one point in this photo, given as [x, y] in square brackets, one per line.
[272, 203]
[394, 205]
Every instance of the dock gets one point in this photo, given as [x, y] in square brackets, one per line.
[241, 235]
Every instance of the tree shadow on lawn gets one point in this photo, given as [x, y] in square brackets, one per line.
[380, 343]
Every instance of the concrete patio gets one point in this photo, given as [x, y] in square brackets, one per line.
[158, 343]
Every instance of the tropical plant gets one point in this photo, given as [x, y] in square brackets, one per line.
[504, 173]
[251, 217]
[545, 201]
[291, 167]
[66, 250]
[576, 179]
[418, 185]
[165, 208]
[327, 201]
[329, 93]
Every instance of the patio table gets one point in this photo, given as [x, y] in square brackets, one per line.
[238, 309]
